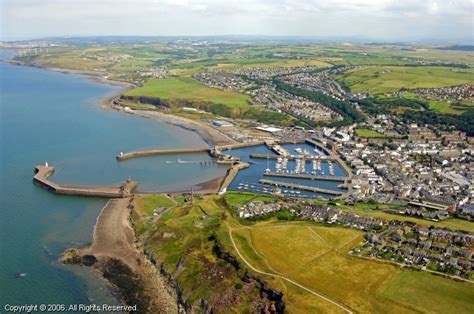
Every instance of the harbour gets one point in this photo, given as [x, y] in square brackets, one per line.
[37, 225]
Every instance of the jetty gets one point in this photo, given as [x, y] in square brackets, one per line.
[300, 187]
[231, 174]
[341, 163]
[306, 176]
[293, 157]
[42, 174]
[157, 152]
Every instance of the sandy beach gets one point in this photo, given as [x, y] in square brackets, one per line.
[114, 238]
[209, 134]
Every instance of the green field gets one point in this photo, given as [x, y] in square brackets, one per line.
[367, 133]
[382, 79]
[239, 198]
[311, 254]
[316, 257]
[148, 203]
[449, 107]
[185, 88]
[421, 291]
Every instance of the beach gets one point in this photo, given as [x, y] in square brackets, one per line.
[113, 247]
[209, 134]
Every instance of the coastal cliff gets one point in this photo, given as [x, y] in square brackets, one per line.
[114, 254]
[187, 247]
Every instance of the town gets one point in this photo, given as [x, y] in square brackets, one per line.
[402, 242]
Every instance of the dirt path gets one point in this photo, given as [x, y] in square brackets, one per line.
[339, 305]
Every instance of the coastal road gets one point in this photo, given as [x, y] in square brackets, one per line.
[339, 305]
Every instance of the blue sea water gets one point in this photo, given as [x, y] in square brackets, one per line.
[53, 117]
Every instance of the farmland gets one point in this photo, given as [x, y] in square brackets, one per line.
[185, 88]
[382, 79]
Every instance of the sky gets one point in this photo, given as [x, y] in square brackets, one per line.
[372, 19]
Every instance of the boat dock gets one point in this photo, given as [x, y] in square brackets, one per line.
[306, 176]
[300, 187]
[293, 157]
[42, 173]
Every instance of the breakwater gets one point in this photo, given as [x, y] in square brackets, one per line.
[157, 152]
[42, 174]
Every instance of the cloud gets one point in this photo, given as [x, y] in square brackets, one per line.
[370, 18]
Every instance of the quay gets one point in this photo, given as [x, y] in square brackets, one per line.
[301, 187]
[306, 176]
[231, 174]
[341, 163]
[42, 173]
[293, 157]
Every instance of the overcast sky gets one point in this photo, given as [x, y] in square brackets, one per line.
[378, 19]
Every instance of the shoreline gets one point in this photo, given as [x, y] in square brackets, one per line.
[90, 75]
[113, 251]
[123, 265]
[208, 134]
[114, 255]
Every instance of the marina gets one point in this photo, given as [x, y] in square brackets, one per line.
[305, 169]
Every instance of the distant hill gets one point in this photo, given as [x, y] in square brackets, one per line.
[459, 47]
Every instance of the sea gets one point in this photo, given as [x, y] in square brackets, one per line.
[51, 117]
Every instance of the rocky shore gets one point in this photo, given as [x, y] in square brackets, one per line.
[113, 252]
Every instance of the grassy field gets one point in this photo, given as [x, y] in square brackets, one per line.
[234, 198]
[311, 254]
[316, 257]
[382, 79]
[186, 88]
[147, 203]
[449, 107]
[366, 133]
[419, 290]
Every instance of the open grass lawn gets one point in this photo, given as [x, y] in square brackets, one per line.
[428, 293]
[381, 79]
[186, 88]
[450, 107]
[315, 256]
[366, 133]
[234, 198]
[147, 203]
